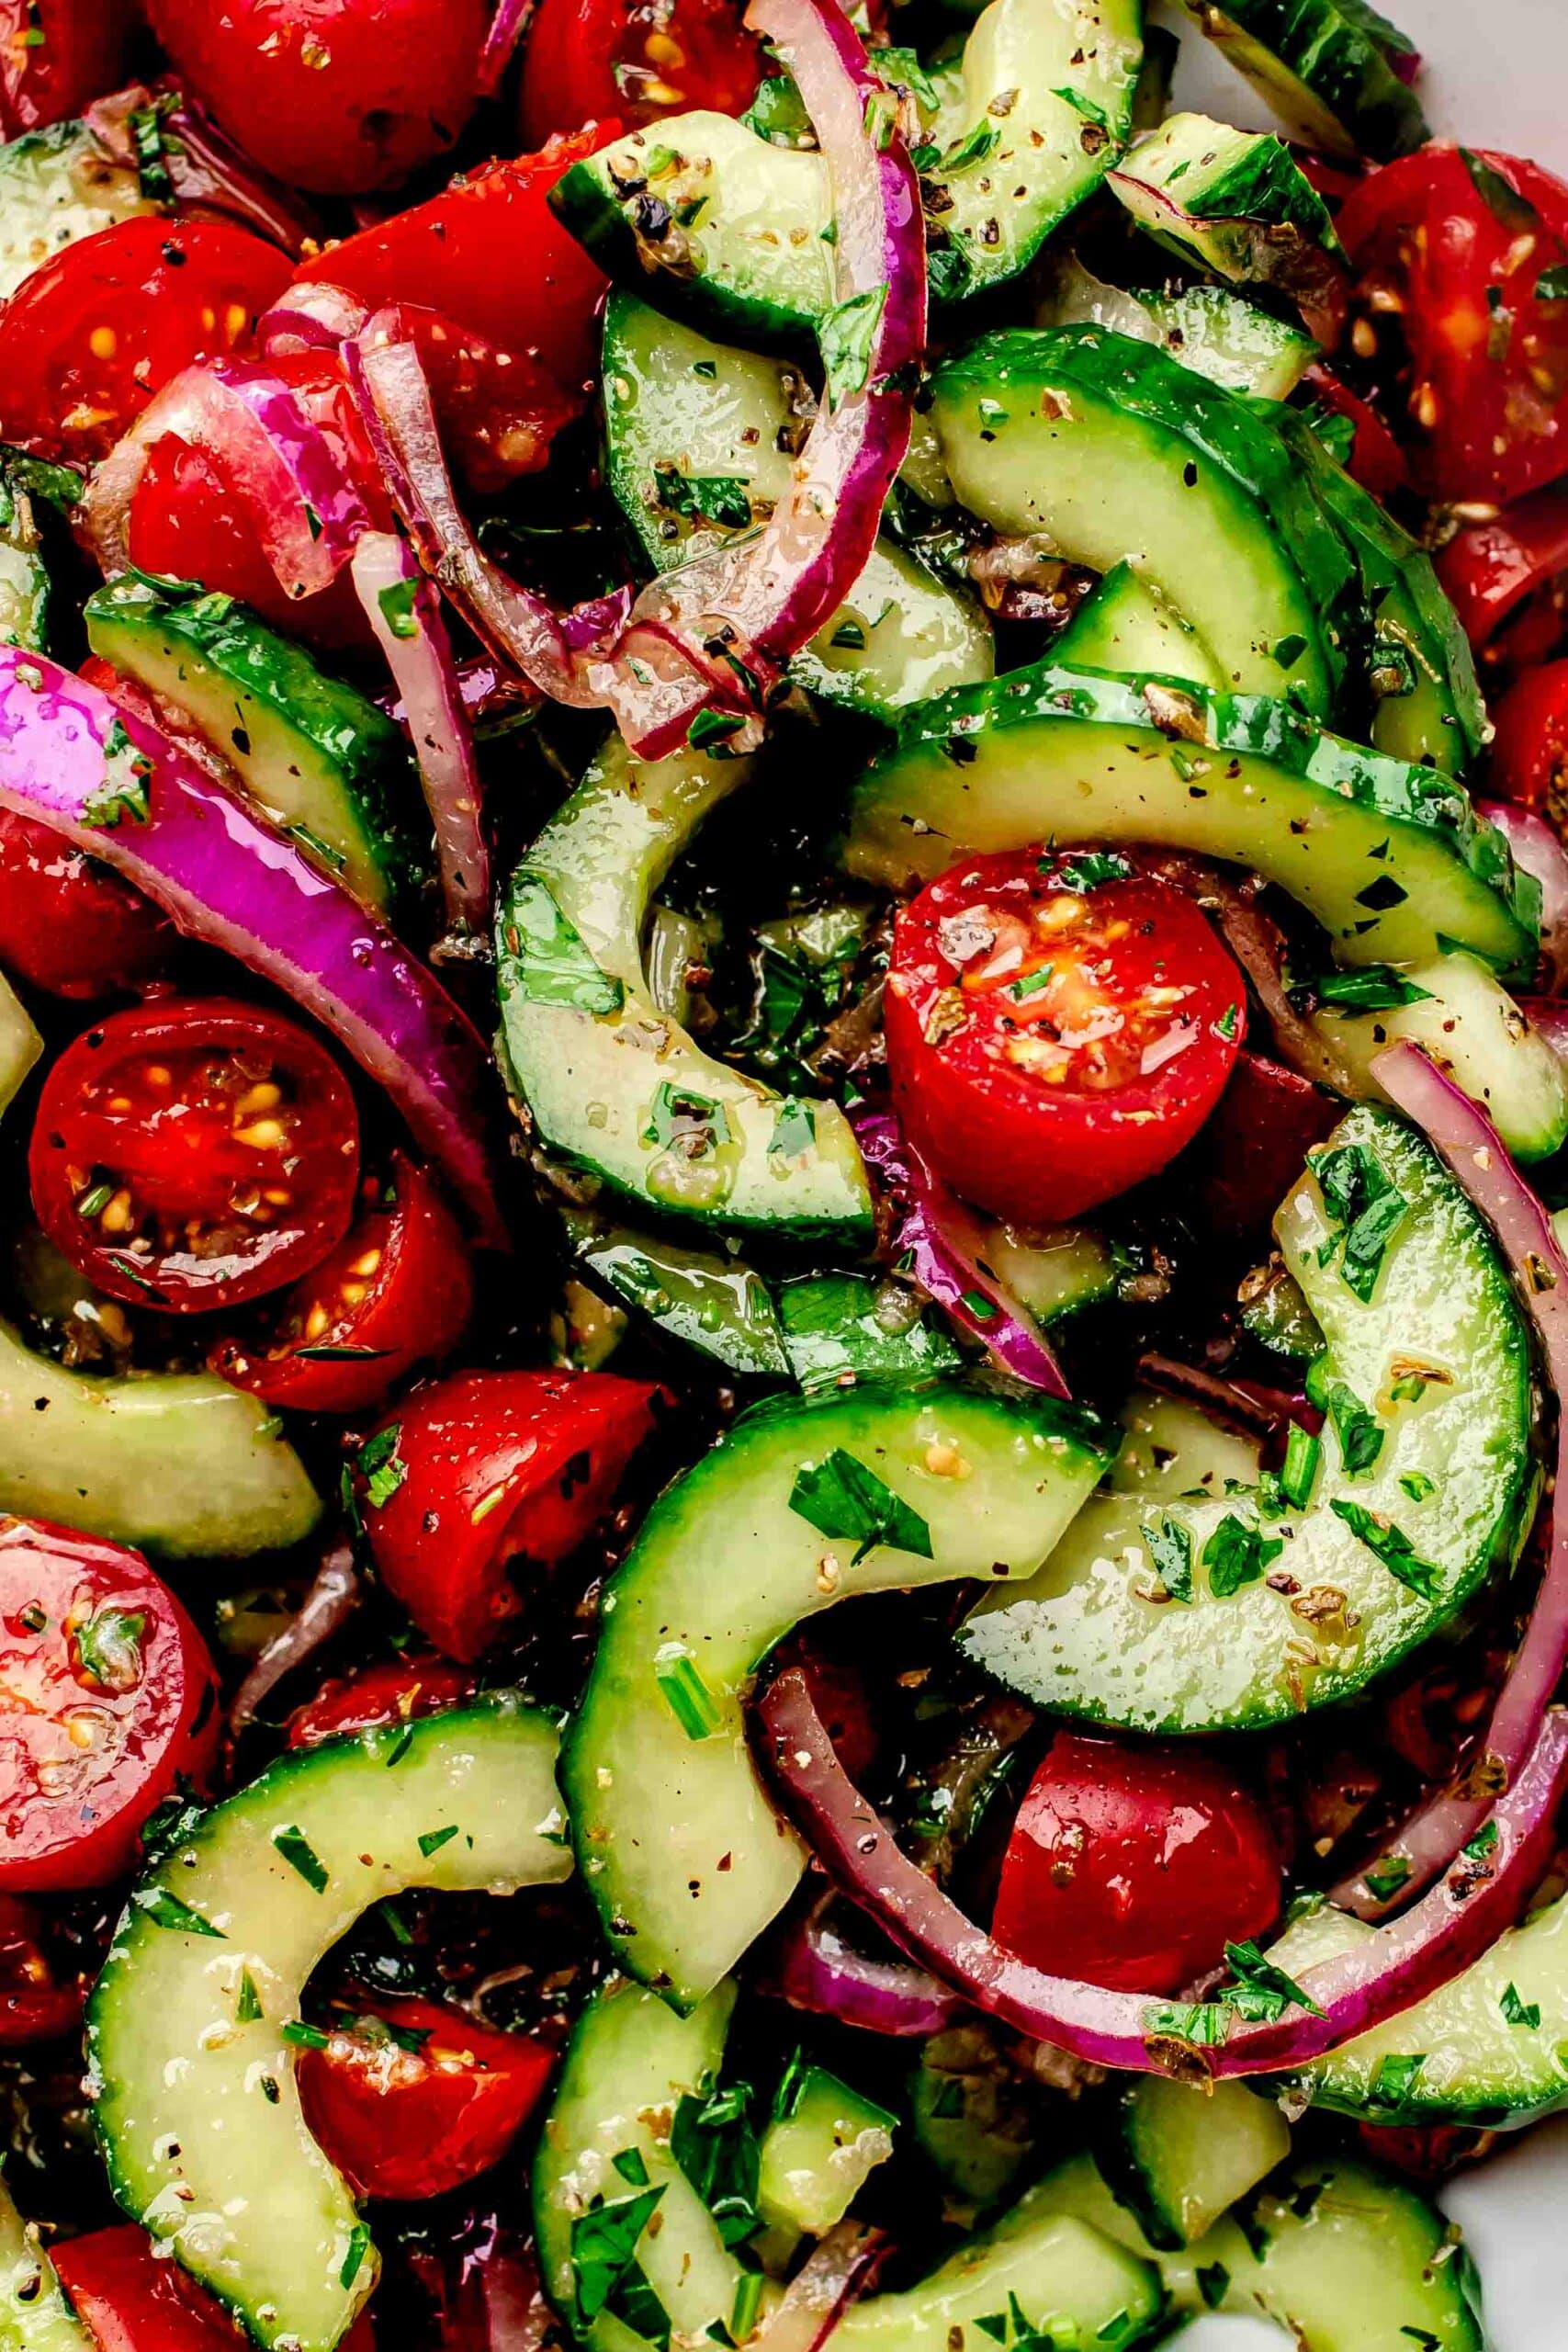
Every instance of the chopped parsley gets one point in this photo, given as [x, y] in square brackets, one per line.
[1261, 1990]
[709, 498]
[380, 1464]
[301, 1855]
[1088, 870]
[840, 1497]
[712, 2141]
[1374, 987]
[358, 2247]
[1386, 1879]
[108, 1648]
[1516, 2011]
[848, 337]
[397, 604]
[1391, 1545]
[1170, 1549]
[1364, 1205]
[432, 1840]
[247, 2007]
[1298, 1472]
[164, 1909]
[544, 958]
[1236, 1553]
[1359, 1434]
[603, 2249]
[1395, 2077]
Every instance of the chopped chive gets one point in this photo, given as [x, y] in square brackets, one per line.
[248, 2007]
[686, 1694]
[301, 1855]
[432, 1840]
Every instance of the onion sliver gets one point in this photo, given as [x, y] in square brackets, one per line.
[1538, 850]
[813, 1968]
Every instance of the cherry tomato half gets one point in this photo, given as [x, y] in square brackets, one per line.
[413, 2099]
[397, 1291]
[1133, 1867]
[69, 924]
[640, 58]
[133, 2299]
[1507, 578]
[1057, 1027]
[335, 95]
[1529, 750]
[37, 2001]
[396, 1690]
[106, 1698]
[87, 340]
[1253, 1148]
[56, 55]
[487, 1467]
[194, 1153]
[1376, 459]
[1451, 247]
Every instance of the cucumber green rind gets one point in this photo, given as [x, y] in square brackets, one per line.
[222, 2171]
[1039, 426]
[1323, 68]
[680, 1848]
[1072, 2284]
[34, 2313]
[1177, 2158]
[1079, 756]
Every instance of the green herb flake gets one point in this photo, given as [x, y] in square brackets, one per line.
[604, 2245]
[1516, 2011]
[544, 958]
[1484, 1842]
[849, 638]
[972, 149]
[794, 1130]
[1236, 1553]
[1391, 1545]
[1360, 1433]
[712, 2141]
[706, 368]
[380, 1464]
[108, 1649]
[848, 337]
[1287, 651]
[304, 2036]
[721, 499]
[1374, 987]
[1213, 2284]
[301, 1855]
[432, 1840]
[1384, 1880]
[164, 1909]
[632, 2167]
[1298, 1472]
[247, 2007]
[1395, 2078]
[1256, 1974]
[839, 1497]
[1225, 1026]
[397, 604]
[1170, 1549]
[1361, 1199]
[358, 2247]
[687, 1693]
[1088, 870]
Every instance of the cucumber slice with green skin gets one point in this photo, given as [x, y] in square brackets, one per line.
[681, 1848]
[1235, 202]
[1169, 1448]
[195, 2105]
[816, 2159]
[1277, 1314]
[1490, 2049]
[1117, 452]
[717, 1304]
[333, 769]
[1446, 1465]
[1324, 67]
[1212, 332]
[56, 187]
[1071, 2285]
[698, 451]
[971, 2116]
[1178, 2160]
[843, 1328]
[612, 1085]
[34, 2313]
[1471, 1028]
[1390, 859]
[1053, 1271]
[630, 2062]
[24, 575]
[1128, 627]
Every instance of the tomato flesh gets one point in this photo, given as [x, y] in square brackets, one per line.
[397, 1291]
[56, 55]
[131, 2299]
[1529, 750]
[640, 58]
[106, 1699]
[1057, 1027]
[487, 1467]
[69, 924]
[36, 2004]
[396, 1690]
[413, 2099]
[192, 1153]
[1133, 1867]
[335, 95]
[89, 340]
[1255, 1144]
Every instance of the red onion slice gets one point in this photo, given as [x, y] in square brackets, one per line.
[313, 316]
[405, 611]
[507, 28]
[326, 1610]
[1468, 1145]
[813, 1968]
[1386, 1971]
[306, 513]
[840, 2271]
[97, 773]
[1539, 852]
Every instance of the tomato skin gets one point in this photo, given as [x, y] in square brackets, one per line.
[89, 340]
[1499, 572]
[398, 1690]
[415, 1306]
[1133, 1866]
[1376, 459]
[497, 1465]
[1267, 1119]
[966, 1051]
[193, 1110]
[1529, 749]
[490, 256]
[133, 2299]
[410, 2123]
[640, 58]
[82, 54]
[152, 1721]
[69, 924]
[339, 97]
[36, 2005]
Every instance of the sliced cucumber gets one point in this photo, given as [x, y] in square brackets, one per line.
[1324, 67]
[24, 575]
[1277, 1314]
[1179, 2159]
[818, 2155]
[838, 1328]
[1390, 859]
[1215, 333]
[192, 2062]
[34, 2313]
[1490, 2049]
[333, 769]
[1117, 452]
[1128, 627]
[971, 2116]
[1236, 202]
[614, 1086]
[56, 187]
[1429, 1379]
[1052, 1269]
[1068, 2284]
[1471, 1028]
[681, 1848]
[717, 1305]
[1170, 1448]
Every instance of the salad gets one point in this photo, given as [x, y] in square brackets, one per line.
[784, 1050]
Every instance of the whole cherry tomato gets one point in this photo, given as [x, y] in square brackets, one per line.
[69, 924]
[397, 1291]
[106, 1699]
[36, 2003]
[1451, 247]
[640, 58]
[89, 338]
[1133, 1867]
[56, 55]
[395, 1691]
[1529, 750]
[1253, 1148]
[194, 1153]
[410, 2098]
[1057, 1027]
[335, 95]
[133, 2300]
[490, 1467]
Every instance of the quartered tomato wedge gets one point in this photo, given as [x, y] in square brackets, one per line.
[412, 2098]
[488, 1469]
[1507, 577]
[640, 58]
[1058, 1026]
[106, 1700]
[397, 1291]
[87, 340]
[69, 924]
[56, 55]
[1529, 750]
[38, 2003]
[134, 2299]
[1376, 459]
[397, 1691]
[192, 1153]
